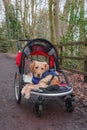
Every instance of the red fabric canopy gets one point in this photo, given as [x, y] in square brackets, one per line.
[51, 59]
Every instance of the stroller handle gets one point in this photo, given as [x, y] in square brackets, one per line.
[20, 42]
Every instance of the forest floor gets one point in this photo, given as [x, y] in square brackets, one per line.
[21, 117]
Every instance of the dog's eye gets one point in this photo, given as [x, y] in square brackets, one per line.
[42, 68]
[36, 67]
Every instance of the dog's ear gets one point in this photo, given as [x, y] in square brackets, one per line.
[32, 66]
[46, 66]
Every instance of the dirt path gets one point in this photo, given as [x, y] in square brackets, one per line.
[21, 117]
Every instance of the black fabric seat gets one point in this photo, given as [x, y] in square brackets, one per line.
[54, 89]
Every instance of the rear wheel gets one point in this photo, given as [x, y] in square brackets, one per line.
[17, 87]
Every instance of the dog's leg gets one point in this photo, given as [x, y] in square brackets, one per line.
[26, 90]
[44, 82]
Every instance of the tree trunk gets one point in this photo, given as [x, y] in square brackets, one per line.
[56, 21]
[51, 21]
[64, 26]
[82, 26]
[33, 18]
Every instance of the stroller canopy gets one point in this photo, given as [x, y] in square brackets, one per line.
[42, 47]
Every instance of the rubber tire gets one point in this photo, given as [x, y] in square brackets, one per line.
[17, 88]
[38, 109]
[69, 105]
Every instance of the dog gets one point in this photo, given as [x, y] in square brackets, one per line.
[41, 77]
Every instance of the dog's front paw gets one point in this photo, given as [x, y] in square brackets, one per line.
[27, 95]
[25, 92]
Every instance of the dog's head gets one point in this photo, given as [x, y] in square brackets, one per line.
[38, 68]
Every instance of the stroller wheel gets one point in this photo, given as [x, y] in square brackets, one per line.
[38, 109]
[17, 88]
[69, 105]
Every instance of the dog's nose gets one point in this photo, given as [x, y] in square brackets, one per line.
[38, 75]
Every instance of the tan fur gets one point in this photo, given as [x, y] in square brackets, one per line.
[38, 68]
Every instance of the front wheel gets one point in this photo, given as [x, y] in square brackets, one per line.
[38, 109]
[69, 105]
[17, 88]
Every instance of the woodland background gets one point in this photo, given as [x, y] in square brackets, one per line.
[60, 21]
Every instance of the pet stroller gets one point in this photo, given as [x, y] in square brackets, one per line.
[41, 50]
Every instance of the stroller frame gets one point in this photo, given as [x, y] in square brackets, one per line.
[31, 49]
